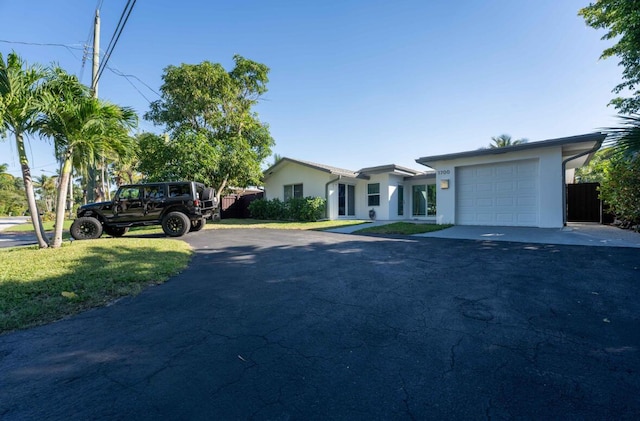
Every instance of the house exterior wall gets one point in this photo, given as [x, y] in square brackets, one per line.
[550, 184]
[313, 181]
[392, 204]
[317, 183]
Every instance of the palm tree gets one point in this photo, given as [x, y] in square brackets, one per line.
[504, 140]
[46, 187]
[82, 128]
[626, 138]
[20, 109]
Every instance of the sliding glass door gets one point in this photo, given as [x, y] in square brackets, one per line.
[346, 200]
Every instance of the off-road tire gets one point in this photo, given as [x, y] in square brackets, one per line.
[86, 228]
[197, 225]
[116, 231]
[176, 224]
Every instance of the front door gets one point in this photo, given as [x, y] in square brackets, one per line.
[346, 200]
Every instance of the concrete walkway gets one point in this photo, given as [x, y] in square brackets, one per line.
[581, 234]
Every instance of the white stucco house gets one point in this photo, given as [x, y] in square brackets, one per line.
[521, 185]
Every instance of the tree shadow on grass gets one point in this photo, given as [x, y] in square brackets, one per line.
[94, 277]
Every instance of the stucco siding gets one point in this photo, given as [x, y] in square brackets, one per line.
[549, 179]
[313, 181]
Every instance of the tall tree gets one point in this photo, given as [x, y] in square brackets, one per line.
[21, 88]
[621, 20]
[504, 140]
[213, 133]
[82, 128]
[46, 187]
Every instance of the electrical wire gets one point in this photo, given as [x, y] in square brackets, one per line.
[127, 76]
[114, 39]
[115, 71]
[68, 47]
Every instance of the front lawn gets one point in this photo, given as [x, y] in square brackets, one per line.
[403, 228]
[38, 286]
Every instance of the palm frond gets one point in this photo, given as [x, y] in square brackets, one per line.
[625, 139]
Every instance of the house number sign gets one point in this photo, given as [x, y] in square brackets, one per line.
[444, 172]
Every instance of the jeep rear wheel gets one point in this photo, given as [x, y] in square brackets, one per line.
[197, 225]
[116, 231]
[86, 228]
[176, 224]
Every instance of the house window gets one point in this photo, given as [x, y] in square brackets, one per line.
[373, 194]
[424, 200]
[292, 191]
[419, 200]
[431, 200]
[400, 200]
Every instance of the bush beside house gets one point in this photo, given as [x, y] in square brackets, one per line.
[306, 209]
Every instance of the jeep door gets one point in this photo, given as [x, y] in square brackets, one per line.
[128, 204]
[153, 201]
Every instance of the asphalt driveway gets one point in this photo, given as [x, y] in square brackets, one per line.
[307, 325]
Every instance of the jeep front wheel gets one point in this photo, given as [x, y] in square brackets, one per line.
[176, 224]
[86, 228]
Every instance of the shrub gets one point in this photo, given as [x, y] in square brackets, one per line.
[298, 209]
[620, 189]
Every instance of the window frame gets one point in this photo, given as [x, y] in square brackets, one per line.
[293, 192]
[373, 198]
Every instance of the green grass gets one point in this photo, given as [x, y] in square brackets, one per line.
[403, 228]
[38, 286]
[284, 225]
[48, 226]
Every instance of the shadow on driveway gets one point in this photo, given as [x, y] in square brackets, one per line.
[308, 325]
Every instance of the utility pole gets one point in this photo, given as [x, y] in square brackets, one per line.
[91, 184]
[96, 54]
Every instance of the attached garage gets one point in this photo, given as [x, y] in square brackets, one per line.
[505, 193]
[521, 185]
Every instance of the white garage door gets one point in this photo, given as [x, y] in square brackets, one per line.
[498, 194]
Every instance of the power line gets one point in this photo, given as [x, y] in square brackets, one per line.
[115, 71]
[127, 76]
[68, 47]
[124, 17]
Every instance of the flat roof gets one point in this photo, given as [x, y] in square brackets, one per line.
[563, 141]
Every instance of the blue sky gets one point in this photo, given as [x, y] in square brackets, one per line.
[353, 83]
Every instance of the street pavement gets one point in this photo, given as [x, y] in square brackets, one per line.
[268, 324]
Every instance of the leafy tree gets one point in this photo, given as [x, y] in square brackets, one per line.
[82, 128]
[595, 170]
[12, 198]
[504, 140]
[620, 188]
[20, 108]
[213, 134]
[621, 19]
[189, 156]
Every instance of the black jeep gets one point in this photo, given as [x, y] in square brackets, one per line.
[179, 207]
